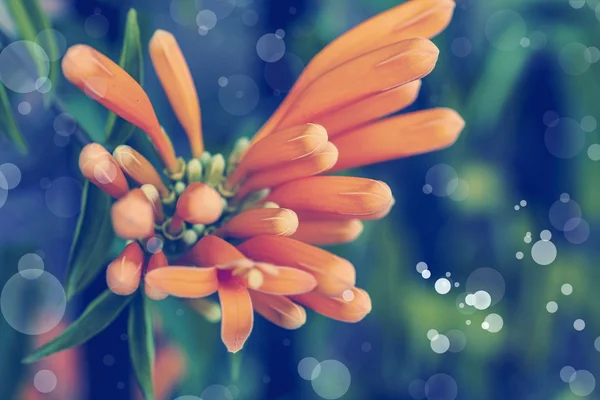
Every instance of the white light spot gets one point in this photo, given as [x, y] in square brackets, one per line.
[552, 307]
[566, 289]
[45, 381]
[442, 286]
[579, 325]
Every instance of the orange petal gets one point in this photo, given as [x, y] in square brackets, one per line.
[200, 204]
[154, 198]
[107, 83]
[138, 168]
[396, 137]
[423, 18]
[364, 76]
[100, 168]
[211, 250]
[176, 79]
[352, 306]
[169, 370]
[158, 260]
[370, 109]
[279, 310]
[132, 216]
[286, 145]
[344, 195]
[124, 273]
[333, 274]
[237, 315]
[188, 282]
[325, 232]
[287, 281]
[307, 215]
[308, 166]
[262, 221]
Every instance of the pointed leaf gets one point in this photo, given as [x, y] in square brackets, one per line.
[8, 126]
[30, 20]
[118, 131]
[92, 241]
[141, 343]
[13, 344]
[96, 317]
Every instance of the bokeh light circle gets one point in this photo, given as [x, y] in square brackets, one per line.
[45, 381]
[442, 286]
[442, 179]
[63, 197]
[567, 373]
[504, 29]
[563, 210]
[579, 324]
[49, 38]
[461, 47]
[206, 19]
[216, 392]
[458, 340]
[494, 323]
[488, 280]
[64, 124]
[306, 367]
[96, 26]
[572, 59]
[221, 8]
[582, 383]
[12, 176]
[333, 381]
[552, 307]
[441, 387]
[440, 344]
[31, 266]
[22, 63]
[565, 139]
[24, 108]
[282, 74]
[577, 230]
[416, 389]
[240, 96]
[543, 252]
[40, 317]
[270, 47]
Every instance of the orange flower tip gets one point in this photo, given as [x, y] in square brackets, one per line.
[154, 294]
[123, 276]
[454, 123]
[200, 204]
[80, 62]
[233, 346]
[132, 217]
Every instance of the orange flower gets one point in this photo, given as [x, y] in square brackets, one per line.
[270, 191]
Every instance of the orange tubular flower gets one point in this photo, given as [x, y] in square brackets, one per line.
[270, 191]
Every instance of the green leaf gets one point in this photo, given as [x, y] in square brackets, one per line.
[141, 343]
[8, 125]
[92, 241]
[96, 317]
[30, 20]
[13, 344]
[118, 131]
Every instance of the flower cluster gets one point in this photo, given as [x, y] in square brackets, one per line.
[246, 226]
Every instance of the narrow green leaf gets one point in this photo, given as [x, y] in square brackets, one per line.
[141, 343]
[8, 125]
[96, 317]
[92, 241]
[118, 131]
[30, 20]
[13, 344]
